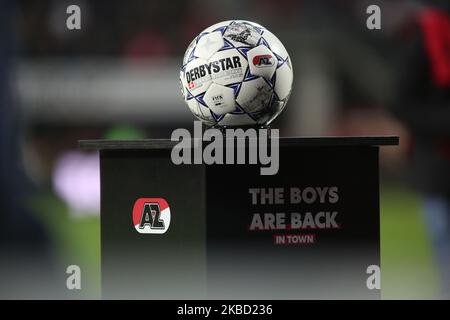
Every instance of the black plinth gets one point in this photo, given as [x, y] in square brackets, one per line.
[220, 244]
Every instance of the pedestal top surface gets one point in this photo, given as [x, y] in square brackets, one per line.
[103, 144]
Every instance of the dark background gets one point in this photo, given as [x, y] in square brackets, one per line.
[117, 77]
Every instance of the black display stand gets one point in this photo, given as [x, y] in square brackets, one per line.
[215, 248]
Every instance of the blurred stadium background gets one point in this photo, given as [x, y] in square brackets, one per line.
[117, 77]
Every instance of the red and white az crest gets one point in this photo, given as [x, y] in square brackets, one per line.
[151, 215]
[263, 60]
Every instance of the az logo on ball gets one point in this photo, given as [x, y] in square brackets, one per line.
[263, 60]
[151, 215]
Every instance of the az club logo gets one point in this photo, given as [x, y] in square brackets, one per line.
[263, 60]
[151, 215]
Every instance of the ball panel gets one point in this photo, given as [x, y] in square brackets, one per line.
[240, 34]
[272, 111]
[269, 113]
[206, 114]
[275, 44]
[208, 44]
[257, 26]
[195, 77]
[188, 52]
[220, 99]
[230, 66]
[193, 106]
[200, 111]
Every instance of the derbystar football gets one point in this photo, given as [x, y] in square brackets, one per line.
[236, 73]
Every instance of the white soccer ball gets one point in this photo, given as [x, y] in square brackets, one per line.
[236, 73]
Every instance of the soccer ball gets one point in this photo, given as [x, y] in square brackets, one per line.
[236, 73]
